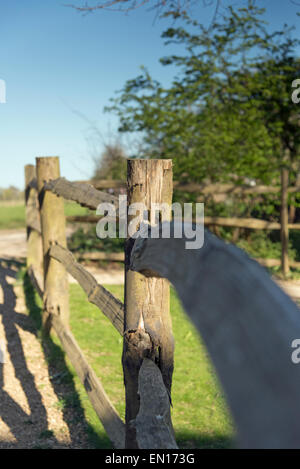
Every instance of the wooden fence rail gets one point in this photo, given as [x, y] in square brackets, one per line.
[245, 319]
[152, 424]
[82, 193]
[206, 189]
[58, 262]
[250, 223]
[96, 294]
[103, 407]
[225, 190]
[248, 324]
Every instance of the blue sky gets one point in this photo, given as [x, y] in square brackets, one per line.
[61, 68]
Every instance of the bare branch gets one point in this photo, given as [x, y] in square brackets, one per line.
[173, 8]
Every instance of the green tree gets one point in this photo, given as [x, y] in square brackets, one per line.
[229, 110]
[111, 164]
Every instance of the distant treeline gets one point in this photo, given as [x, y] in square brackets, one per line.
[11, 193]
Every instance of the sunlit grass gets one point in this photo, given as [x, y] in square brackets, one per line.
[200, 416]
[12, 216]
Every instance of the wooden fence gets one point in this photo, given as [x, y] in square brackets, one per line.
[144, 320]
[247, 322]
[221, 192]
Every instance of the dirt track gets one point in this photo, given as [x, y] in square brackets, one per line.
[13, 246]
[12, 243]
[33, 413]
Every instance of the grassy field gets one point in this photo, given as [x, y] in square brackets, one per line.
[12, 215]
[200, 415]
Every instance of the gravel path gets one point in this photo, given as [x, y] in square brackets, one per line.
[33, 413]
[31, 410]
[13, 245]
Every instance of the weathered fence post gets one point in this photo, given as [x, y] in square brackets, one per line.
[33, 223]
[147, 322]
[292, 212]
[53, 224]
[284, 220]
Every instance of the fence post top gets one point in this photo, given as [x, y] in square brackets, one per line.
[40, 159]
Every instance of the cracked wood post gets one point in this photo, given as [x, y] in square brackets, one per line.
[34, 256]
[53, 224]
[147, 321]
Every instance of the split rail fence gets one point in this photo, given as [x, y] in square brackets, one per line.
[246, 321]
[220, 192]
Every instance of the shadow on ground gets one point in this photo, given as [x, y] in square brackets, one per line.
[22, 425]
[10, 411]
[62, 379]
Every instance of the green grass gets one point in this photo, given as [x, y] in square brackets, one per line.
[200, 415]
[12, 216]
[72, 209]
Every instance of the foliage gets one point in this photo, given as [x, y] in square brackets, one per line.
[229, 110]
[83, 240]
[74, 209]
[112, 164]
[261, 244]
[11, 193]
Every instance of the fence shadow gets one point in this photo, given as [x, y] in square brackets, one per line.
[10, 411]
[62, 379]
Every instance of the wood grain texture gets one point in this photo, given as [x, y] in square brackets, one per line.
[247, 323]
[98, 295]
[36, 280]
[147, 323]
[106, 412]
[33, 222]
[85, 194]
[53, 224]
[152, 423]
